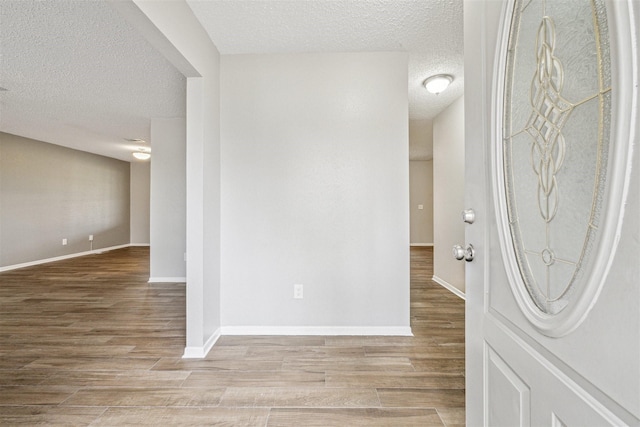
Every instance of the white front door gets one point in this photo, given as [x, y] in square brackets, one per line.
[552, 173]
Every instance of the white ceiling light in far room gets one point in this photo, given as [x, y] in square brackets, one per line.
[438, 83]
[142, 153]
[142, 156]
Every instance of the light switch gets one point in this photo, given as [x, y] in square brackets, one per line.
[420, 207]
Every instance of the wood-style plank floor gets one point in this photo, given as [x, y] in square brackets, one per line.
[87, 341]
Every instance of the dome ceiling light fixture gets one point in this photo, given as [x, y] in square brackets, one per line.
[143, 153]
[141, 156]
[438, 83]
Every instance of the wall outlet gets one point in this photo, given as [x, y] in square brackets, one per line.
[91, 237]
[420, 207]
[64, 242]
[297, 291]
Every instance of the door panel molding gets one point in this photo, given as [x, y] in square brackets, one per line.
[527, 357]
[520, 393]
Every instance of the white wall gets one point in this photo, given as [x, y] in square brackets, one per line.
[168, 201]
[448, 194]
[211, 205]
[315, 192]
[421, 193]
[172, 28]
[140, 202]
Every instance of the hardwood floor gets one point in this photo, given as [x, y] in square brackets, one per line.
[87, 341]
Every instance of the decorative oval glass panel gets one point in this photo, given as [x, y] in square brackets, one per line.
[555, 143]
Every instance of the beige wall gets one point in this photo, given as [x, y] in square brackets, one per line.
[421, 195]
[448, 194]
[49, 193]
[421, 139]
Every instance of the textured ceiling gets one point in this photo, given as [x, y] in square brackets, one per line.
[79, 75]
[429, 30]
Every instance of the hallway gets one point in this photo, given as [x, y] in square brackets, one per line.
[87, 341]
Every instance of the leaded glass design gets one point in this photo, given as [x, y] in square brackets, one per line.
[555, 142]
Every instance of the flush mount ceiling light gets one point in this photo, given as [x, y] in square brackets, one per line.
[142, 153]
[142, 156]
[438, 83]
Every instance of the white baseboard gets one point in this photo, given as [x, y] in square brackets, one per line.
[404, 331]
[62, 257]
[140, 244]
[422, 244]
[167, 280]
[201, 352]
[449, 286]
